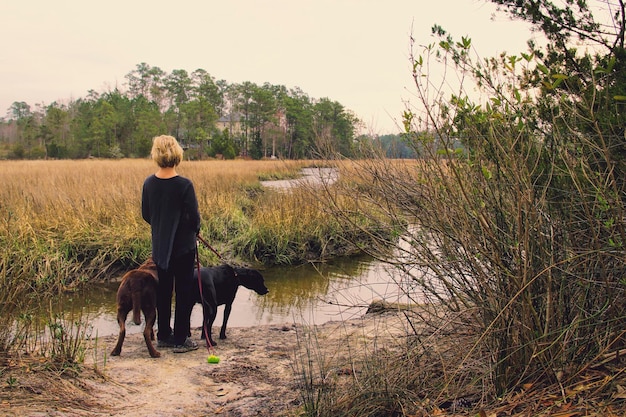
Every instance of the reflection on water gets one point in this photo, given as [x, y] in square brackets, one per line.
[303, 292]
[311, 294]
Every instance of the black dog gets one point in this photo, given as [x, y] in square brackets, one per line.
[219, 287]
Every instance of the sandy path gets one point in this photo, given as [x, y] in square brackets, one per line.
[255, 376]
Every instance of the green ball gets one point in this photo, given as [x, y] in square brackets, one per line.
[213, 359]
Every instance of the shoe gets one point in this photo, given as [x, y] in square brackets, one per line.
[167, 343]
[188, 346]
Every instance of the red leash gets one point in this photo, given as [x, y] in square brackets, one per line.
[211, 358]
[204, 325]
[205, 243]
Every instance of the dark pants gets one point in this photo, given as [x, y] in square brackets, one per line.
[178, 278]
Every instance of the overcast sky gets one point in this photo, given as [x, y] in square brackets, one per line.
[351, 51]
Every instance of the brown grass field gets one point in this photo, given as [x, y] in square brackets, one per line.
[64, 222]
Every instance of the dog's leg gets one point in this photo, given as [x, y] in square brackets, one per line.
[227, 309]
[208, 312]
[212, 315]
[148, 331]
[122, 313]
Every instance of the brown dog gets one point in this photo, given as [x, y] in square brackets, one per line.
[137, 292]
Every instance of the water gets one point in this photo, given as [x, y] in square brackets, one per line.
[306, 294]
[309, 294]
[310, 176]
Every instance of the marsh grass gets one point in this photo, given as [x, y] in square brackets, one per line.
[64, 341]
[65, 224]
[73, 221]
[295, 230]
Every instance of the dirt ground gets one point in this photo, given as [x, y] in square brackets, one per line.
[257, 374]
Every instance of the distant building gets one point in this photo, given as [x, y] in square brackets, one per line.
[232, 122]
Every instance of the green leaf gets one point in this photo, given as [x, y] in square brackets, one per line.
[467, 42]
[543, 69]
[612, 62]
[486, 173]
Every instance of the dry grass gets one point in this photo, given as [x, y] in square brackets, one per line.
[399, 365]
[70, 206]
[64, 224]
[80, 195]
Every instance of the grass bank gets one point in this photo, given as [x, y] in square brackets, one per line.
[64, 224]
[81, 220]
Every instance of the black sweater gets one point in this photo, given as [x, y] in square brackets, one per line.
[170, 207]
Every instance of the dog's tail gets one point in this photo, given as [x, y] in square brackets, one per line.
[136, 307]
[144, 279]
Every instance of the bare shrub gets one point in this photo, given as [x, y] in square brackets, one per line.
[516, 224]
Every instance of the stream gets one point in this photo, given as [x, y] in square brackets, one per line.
[307, 294]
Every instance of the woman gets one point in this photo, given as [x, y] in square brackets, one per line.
[170, 206]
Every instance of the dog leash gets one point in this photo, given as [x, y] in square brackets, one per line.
[205, 243]
[212, 358]
[209, 346]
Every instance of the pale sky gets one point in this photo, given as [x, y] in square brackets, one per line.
[354, 52]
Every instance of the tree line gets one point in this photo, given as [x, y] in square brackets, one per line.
[210, 117]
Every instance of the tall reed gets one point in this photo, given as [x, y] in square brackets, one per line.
[67, 223]
[82, 219]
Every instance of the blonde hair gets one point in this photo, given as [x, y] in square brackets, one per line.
[166, 151]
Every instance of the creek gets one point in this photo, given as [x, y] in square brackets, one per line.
[308, 294]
